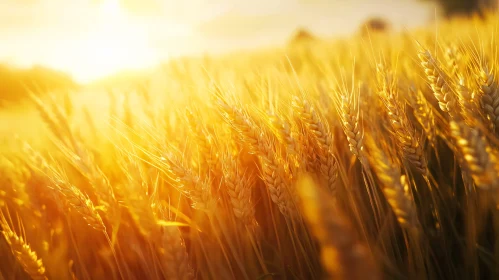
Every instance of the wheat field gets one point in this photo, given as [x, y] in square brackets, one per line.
[372, 157]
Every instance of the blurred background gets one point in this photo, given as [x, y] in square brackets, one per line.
[59, 44]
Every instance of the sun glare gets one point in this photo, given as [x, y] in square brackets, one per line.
[111, 8]
[114, 43]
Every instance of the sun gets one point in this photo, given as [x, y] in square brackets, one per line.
[111, 8]
[113, 42]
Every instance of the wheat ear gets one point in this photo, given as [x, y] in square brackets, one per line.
[349, 111]
[22, 251]
[439, 84]
[402, 129]
[342, 255]
[282, 129]
[475, 152]
[395, 187]
[76, 200]
[423, 111]
[173, 255]
[190, 184]
[319, 130]
[468, 103]
[204, 142]
[238, 185]
[452, 57]
[273, 173]
[489, 95]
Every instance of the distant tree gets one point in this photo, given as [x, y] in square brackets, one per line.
[374, 25]
[465, 7]
[302, 35]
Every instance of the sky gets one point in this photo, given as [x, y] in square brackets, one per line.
[90, 39]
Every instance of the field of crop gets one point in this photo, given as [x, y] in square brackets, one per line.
[373, 157]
